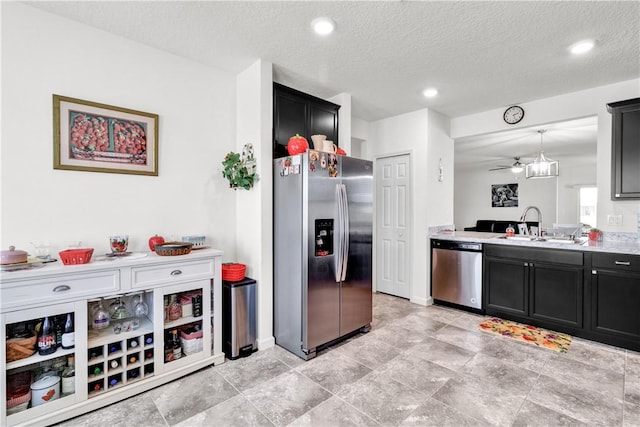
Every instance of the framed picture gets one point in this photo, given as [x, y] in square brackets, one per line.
[93, 137]
[504, 195]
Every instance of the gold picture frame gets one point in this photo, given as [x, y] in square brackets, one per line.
[94, 137]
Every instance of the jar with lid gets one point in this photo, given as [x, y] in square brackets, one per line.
[174, 311]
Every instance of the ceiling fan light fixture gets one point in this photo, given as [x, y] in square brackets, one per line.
[517, 167]
[542, 167]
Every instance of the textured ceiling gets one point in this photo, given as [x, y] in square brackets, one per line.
[480, 55]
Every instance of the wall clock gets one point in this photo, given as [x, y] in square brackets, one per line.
[513, 114]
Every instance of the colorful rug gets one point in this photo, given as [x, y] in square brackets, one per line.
[526, 333]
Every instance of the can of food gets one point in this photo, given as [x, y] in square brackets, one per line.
[45, 390]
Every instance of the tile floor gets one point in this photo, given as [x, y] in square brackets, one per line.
[419, 366]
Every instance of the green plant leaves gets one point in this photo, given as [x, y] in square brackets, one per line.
[236, 171]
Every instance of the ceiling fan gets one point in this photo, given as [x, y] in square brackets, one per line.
[516, 167]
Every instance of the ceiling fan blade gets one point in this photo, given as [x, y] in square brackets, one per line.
[499, 168]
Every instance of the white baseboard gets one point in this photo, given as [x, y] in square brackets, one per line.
[422, 301]
[265, 343]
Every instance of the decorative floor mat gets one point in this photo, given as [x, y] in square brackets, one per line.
[529, 334]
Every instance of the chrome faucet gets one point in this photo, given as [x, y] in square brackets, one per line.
[523, 218]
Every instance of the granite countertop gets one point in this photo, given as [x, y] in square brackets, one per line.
[610, 246]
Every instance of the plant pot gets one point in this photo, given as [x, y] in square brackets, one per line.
[595, 236]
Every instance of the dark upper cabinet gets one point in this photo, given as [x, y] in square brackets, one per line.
[625, 154]
[296, 112]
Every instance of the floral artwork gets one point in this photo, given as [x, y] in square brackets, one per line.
[102, 138]
[530, 334]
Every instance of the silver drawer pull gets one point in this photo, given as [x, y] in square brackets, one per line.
[176, 272]
[61, 288]
[623, 262]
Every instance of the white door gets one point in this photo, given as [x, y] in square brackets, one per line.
[393, 226]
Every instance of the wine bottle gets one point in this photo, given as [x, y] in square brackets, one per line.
[68, 336]
[114, 347]
[133, 359]
[177, 348]
[148, 339]
[59, 327]
[168, 348]
[69, 377]
[46, 338]
[133, 342]
[114, 364]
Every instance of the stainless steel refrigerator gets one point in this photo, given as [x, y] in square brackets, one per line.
[323, 213]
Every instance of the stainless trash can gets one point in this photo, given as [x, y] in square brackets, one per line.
[239, 318]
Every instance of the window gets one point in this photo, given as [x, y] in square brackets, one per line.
[588, 200]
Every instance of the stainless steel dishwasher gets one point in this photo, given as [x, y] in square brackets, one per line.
[456, 273]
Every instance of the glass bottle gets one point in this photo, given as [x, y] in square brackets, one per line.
[168, 348]
[59, 327]
[177, 348]
[47, 337]
[69, 377]
[100, 316]
[68, 335]
[175, 309]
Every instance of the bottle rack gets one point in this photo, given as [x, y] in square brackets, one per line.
[122, 360]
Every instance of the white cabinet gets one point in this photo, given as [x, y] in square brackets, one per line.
[126, 358]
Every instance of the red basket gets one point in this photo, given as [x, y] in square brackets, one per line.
[233, 272]
[76, 256]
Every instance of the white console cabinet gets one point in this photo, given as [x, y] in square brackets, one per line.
[110, 365]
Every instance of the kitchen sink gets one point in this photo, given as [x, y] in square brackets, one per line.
[563, 240]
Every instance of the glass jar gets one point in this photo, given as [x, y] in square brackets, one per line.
[174, 311]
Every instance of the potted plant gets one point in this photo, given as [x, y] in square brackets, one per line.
[240, 170]
[595, 235]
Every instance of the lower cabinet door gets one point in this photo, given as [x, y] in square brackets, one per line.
[615, 299]
[506, 286]
[556, 294]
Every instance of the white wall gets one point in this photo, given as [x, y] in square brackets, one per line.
[473, 197]
[423, 134]
[254, 227]
[43, 54]
[566, 107]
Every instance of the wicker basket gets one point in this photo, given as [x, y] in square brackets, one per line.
[19, 348]
[173, 248]
[76, 256]
[233, 272]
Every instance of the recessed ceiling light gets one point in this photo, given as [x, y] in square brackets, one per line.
[430, 93]
[323, 26]
[581, 47]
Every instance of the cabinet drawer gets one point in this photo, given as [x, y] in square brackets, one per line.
[616, 261]
[142, 277]
[21, 293]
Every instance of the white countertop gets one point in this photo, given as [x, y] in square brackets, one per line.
[611, 246]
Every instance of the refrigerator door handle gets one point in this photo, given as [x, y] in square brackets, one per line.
[345, 228]
[338, 255]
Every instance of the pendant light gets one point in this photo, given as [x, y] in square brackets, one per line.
[542, 167]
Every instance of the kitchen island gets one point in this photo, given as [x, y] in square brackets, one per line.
[587, 289]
